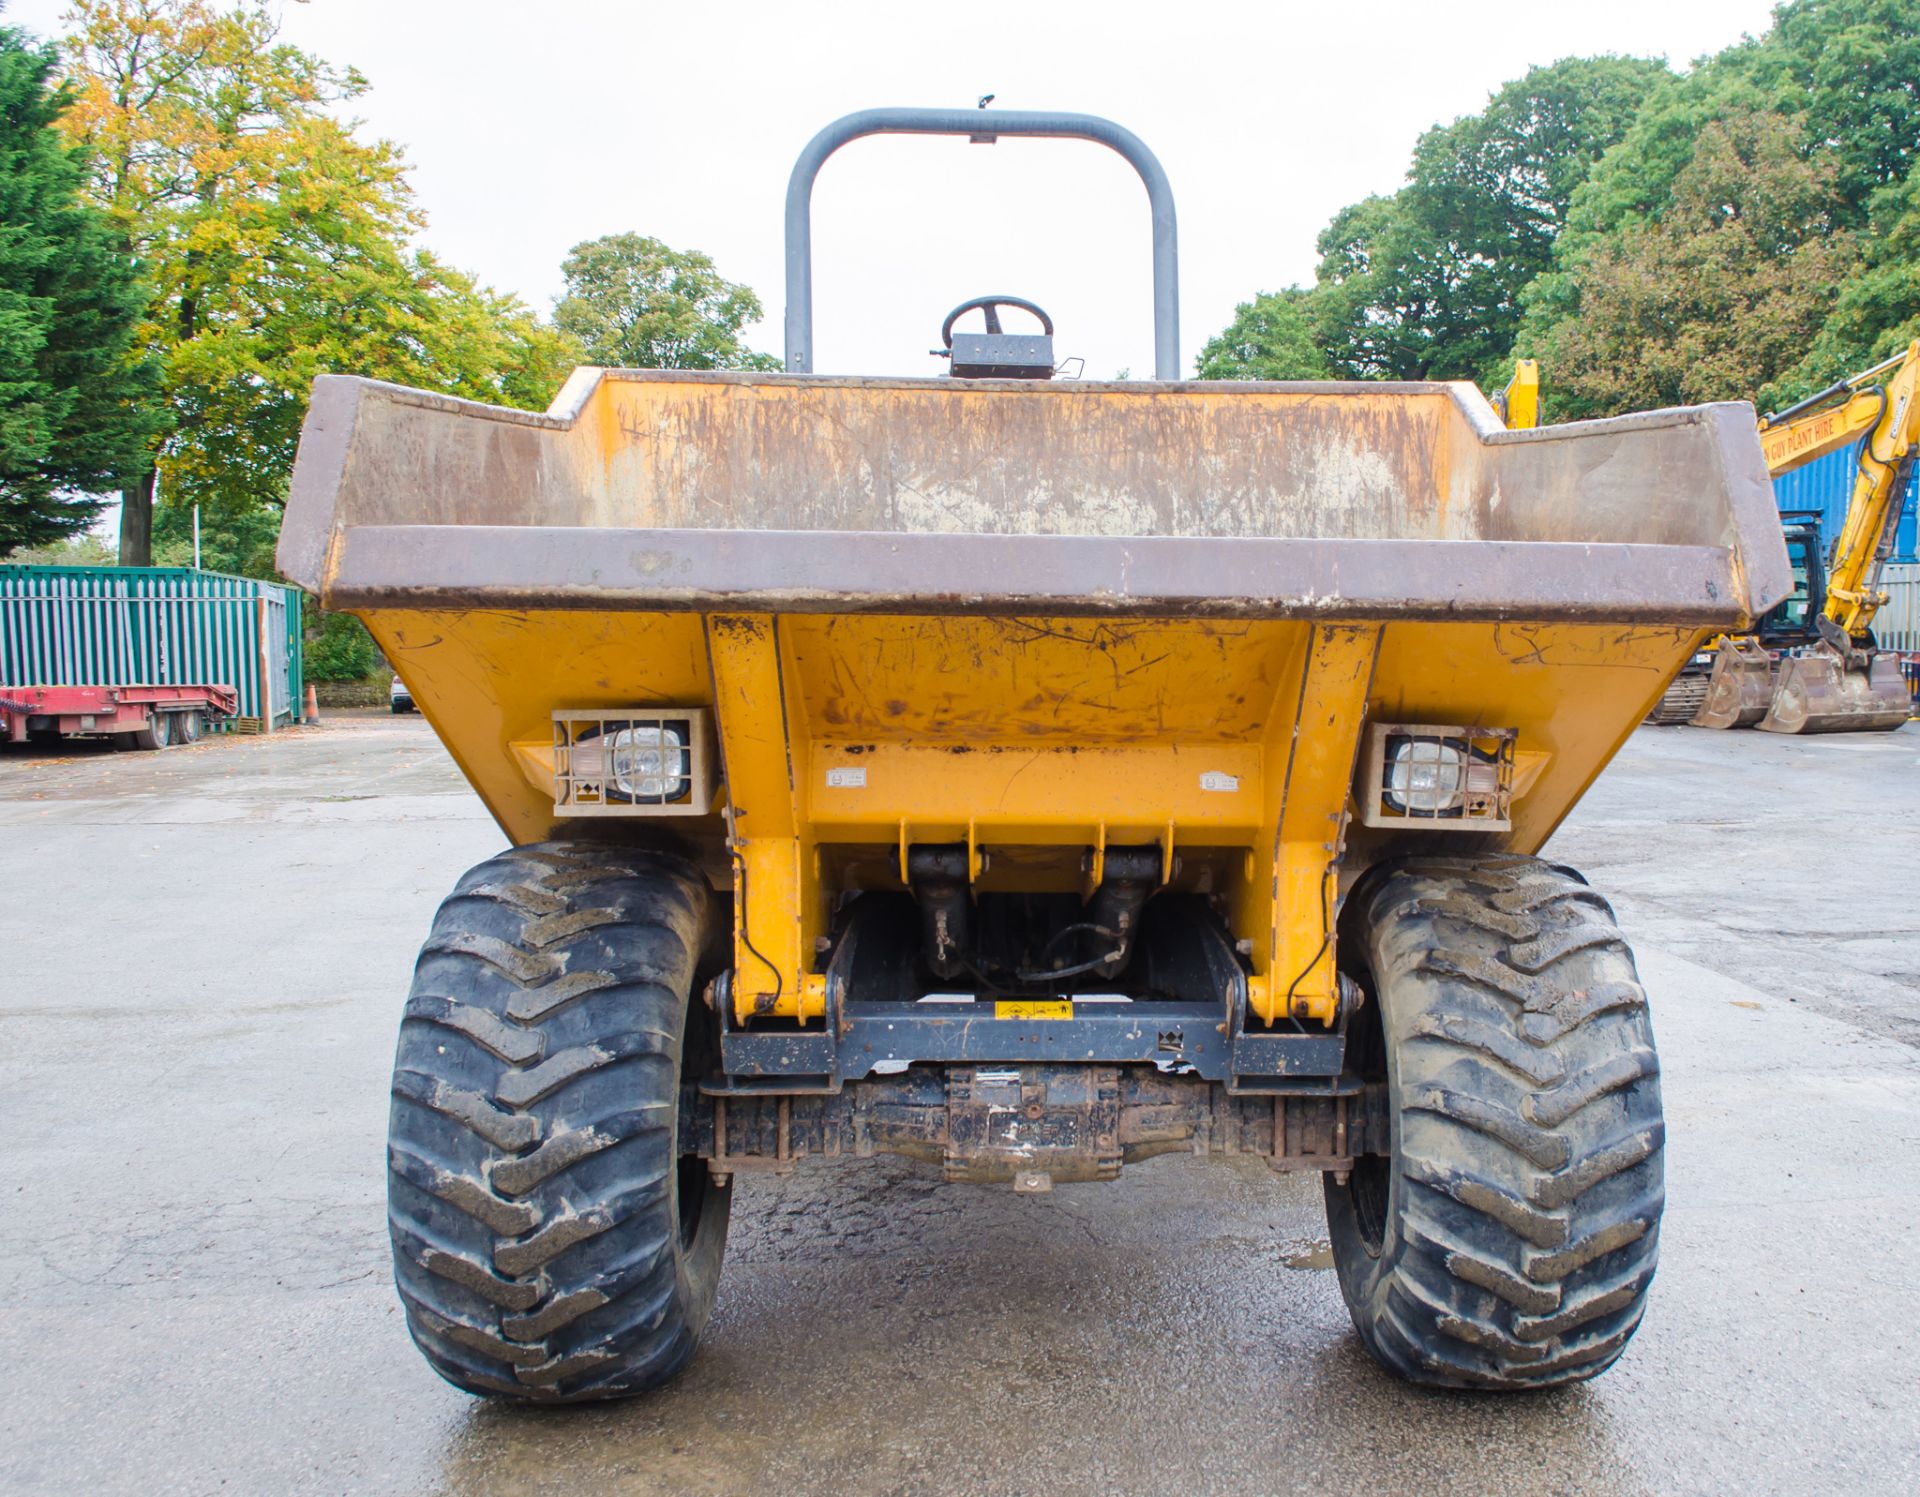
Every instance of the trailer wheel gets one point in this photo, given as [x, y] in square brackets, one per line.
[550, 1241]
[153, 736]
[1509, 1240]
[188, 726]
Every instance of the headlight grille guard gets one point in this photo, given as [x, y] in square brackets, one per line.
[585, 783]
[1484, 800]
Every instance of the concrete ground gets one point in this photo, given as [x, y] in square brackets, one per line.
[205, 953]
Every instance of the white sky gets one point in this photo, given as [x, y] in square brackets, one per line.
[533, 126]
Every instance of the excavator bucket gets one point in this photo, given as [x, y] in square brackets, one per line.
[1824, 691]
[1741, 687]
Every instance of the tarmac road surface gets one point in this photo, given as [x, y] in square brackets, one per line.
[205, 954]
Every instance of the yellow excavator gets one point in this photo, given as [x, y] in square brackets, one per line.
[1517, 403]
[1812, 664]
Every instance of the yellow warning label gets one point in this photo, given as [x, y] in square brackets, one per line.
[1049, 1008]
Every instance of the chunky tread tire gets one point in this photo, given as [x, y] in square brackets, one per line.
[549, 1242]
[1510, 1240]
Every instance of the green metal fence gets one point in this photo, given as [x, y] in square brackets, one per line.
[153, 626]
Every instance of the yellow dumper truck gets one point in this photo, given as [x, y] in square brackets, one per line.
[1031, 777]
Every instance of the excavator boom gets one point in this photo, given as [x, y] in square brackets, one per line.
[1831, 679]
[1883, 417]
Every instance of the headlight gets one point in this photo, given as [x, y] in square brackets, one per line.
[647, 765]
[634, 764]
[1436, 777]
[644, 766]
[1426, 777]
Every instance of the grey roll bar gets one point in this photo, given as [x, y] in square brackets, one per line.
[982, 125]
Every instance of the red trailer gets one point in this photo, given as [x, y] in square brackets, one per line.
[148, 717]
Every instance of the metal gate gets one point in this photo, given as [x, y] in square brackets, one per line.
[273, 602]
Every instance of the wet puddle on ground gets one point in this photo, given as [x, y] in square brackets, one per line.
[1311, 1255]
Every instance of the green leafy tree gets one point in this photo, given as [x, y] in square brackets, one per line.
[1847, 70]
[1845, 77]
[375, 308]
[1856, 65]
[85, 549]
[1270, 337]
[1718, 296]
[1425, 284]
[1876, 311]
[338, 648]
[72, 392]
[635, 303]
[233, 538]
[277, 245]
[1380, 295]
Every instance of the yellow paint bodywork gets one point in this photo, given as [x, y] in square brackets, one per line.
[1038, 741]
[1518, 404]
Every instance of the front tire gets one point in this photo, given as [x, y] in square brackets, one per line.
[550, 1241]
[1509, 1240]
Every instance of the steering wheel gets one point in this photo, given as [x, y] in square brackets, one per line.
[992, 306]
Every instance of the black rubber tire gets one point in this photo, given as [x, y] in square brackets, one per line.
[549, 1241]
[153, 736]
[188, 727]
[1509, 1241]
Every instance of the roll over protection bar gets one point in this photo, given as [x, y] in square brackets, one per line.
[982, 125]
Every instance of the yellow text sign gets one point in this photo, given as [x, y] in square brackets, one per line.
[1050, 1008]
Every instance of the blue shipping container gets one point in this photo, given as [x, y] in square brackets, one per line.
[1827, 485]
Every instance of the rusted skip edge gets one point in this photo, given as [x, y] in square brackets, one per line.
[319, 470]
[1761, 564]
[452, 566]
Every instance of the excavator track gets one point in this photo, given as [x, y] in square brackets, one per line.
[1679, 702]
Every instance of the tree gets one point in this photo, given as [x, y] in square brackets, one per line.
[1270, 337]
[1876, 312]
[635, 303]
[1425, 284]
[1719, 295]
[71, 390]
[1845, 74]
[1856, 64]
[1847, 70]
[1381, 295]
[277, 245]
[366, 305]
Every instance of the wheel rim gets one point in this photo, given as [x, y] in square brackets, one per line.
[691, 1186]
[1371, 1187]
[1370, 1184]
